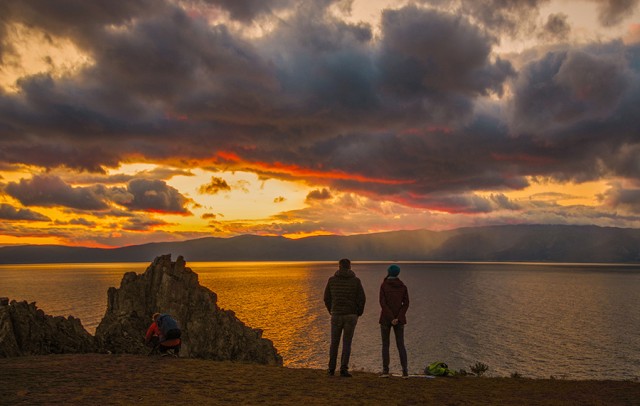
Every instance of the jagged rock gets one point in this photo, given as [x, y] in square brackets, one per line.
[27, 330]
[170, 287]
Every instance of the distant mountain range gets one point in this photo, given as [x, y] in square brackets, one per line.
[545, 243]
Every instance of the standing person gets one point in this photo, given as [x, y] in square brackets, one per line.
[394, 301]
[345, 299]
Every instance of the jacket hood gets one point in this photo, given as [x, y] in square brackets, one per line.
[345, 273]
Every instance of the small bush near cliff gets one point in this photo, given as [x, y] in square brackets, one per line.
[479, 368]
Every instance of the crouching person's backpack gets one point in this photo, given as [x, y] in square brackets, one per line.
[438, 368]
[169, 327]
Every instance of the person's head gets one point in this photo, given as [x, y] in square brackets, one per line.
[344, 264]
[155, 316]
[393, 270]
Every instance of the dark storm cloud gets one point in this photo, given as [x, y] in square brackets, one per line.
[49, 191]
[438, 60]
[613, 12]
[584, 105]
[160, 173]
[398, 110]
[8, 212]
[564, 88]
[556, 27]
[139, 195]
[155, 196]
[16, 148]
[76, 19]
[248, 10]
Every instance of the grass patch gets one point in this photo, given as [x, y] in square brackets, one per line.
[128, 379]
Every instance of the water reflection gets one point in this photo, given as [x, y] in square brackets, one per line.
[538, 320]
[282, 299]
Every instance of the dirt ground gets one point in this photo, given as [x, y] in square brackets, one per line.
[100, 379]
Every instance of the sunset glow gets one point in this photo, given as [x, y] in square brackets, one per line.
[130, 123]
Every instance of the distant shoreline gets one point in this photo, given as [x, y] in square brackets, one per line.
[508, 243]
[194, 264]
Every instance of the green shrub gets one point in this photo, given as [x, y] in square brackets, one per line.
[479, 368]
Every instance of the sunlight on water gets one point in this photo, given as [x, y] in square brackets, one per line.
[279, 298]
[573, 320]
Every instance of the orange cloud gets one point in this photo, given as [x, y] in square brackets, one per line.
[300, 172]
[633, 35]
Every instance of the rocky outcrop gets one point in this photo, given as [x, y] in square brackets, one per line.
[27, 330]
[170, 287]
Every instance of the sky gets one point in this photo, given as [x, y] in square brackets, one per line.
[140, 121]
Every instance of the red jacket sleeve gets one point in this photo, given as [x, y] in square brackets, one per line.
[152, 331]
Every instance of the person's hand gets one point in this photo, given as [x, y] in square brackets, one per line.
[394, 322]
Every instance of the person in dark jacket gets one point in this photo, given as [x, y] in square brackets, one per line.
[394, 301]
[345, 299]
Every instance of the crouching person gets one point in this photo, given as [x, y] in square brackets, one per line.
[164, 335]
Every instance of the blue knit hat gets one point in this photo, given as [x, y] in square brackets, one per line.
[393, 270]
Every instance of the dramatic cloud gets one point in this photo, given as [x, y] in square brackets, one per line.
[49, 191]
[438, 61]
[424, 105]
[8, 212]
[155, 196]
[568, 87]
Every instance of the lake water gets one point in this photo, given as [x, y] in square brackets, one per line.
[570, 321]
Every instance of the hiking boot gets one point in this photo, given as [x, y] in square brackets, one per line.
[405, 374]
[345, 374]
[331, 372]
[384, 375]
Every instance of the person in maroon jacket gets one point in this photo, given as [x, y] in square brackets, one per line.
[394, 301]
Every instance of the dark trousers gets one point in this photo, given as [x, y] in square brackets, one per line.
[345, 326]
[398, 331]
[156, 345]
